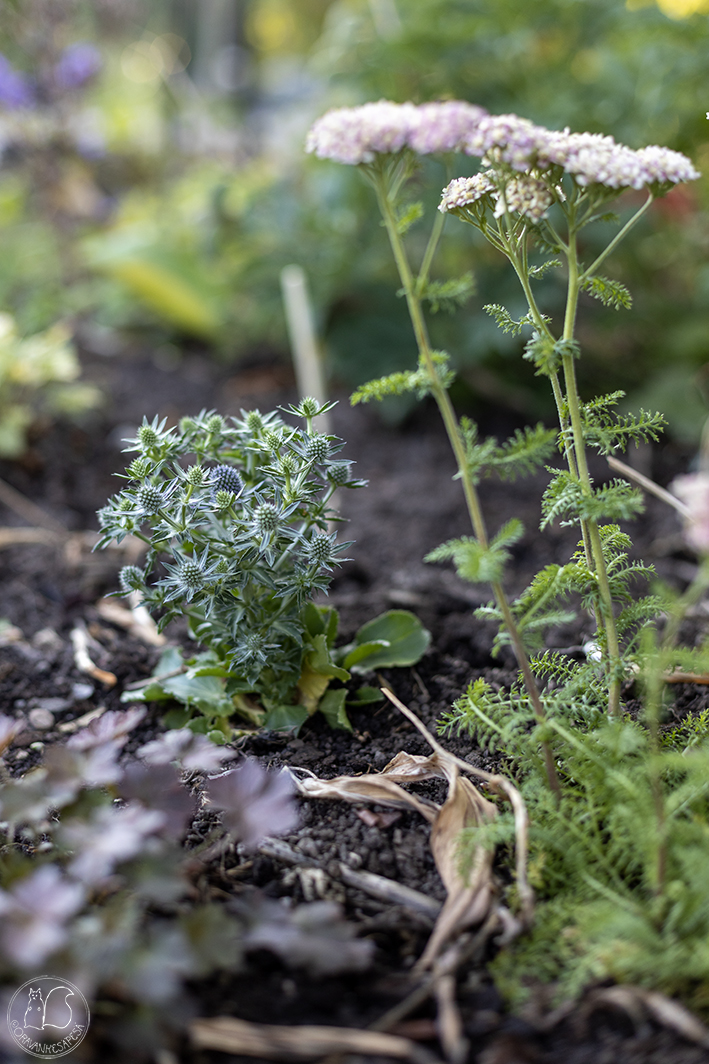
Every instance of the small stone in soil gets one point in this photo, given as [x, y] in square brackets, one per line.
[81, 691]
[41, 719]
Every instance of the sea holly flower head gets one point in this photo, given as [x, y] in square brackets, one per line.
[77, 65]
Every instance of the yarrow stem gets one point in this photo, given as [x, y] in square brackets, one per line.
[440, 394]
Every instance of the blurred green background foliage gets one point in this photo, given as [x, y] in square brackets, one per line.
[157, 194]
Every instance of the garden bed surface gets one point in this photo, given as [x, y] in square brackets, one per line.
[411, 505]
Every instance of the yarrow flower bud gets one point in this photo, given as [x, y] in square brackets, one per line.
[317, 448]
[226, 478]
[150, 499]
[320, 548]
[192, 575]
[339, 473]
[266, 518]
[196, 476]
[525, 195]
[148, 437]
[463, 191]
[131, 578]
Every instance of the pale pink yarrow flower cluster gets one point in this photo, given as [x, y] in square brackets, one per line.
[524, 194]
[590, 158]
[355, 135]
[693, 491]
[462, 191]
[443, 127]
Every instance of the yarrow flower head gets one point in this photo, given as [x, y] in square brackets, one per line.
[356, 134]
[523, 194]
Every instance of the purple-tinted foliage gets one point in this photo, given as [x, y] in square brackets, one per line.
[34, 913]
[314, 937]
[196, 753]
[112, 835]
[160, 787]
[16, 89]
[70, 769]
[254, 802]
[77, 65]
[112, 727]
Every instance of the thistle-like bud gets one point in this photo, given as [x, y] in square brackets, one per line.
[139, 468]
[222, 566]
[288, 463]
[196, 476]
[309, 406]
[148, 437]
[338, 473]
[254, 421]
[150, 499]
[124, 504]
[273, 440]
[226, 478]
[223, 500]
[215, 424]
[266, 518]
[317, 448]
[187, 425]
[320, 548]
[191, 575]
[131, 578]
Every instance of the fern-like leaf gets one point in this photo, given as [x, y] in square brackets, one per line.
[418, 381]
[610, 293]
[448, 295]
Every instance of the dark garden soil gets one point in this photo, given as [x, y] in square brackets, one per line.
[411, 505]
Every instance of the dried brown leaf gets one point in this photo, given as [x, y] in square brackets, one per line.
[469, 899]
[374, 787]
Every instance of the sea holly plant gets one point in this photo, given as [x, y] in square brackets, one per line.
[236, 514]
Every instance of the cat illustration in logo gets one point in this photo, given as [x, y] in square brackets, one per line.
[52, 1011]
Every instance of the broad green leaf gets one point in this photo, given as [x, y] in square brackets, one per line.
[366, 696]
[205, 692]
[177, 718]
[364, 650]
[332, 706]
[170, 660]
[402, 630]
[312, 686]
[286, 719]
[319, 660]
